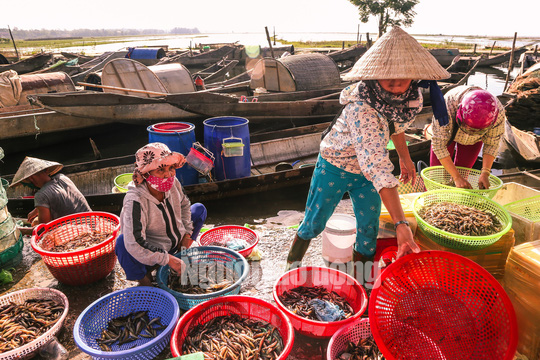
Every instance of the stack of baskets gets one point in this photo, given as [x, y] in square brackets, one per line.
[197, 258]
[11, 240]
[82, 266]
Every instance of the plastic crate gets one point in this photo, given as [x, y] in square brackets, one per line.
[244, 306]
[83, 266]
[455, 241]
[436, 177]
[333, 280]
[440, 305]
[200, 257]
[30, 350]
[97, 315]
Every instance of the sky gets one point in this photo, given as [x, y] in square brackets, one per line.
[456, 17]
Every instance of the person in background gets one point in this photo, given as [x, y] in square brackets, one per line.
[56, 195]
[477, 119]
[157, 219]
[353, 154]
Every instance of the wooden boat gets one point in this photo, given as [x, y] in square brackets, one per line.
[200, 60]
[29, 64]
[445, 57]
[96, 64]
[502, 57]
[524, 146]
[267, 150]
[25, 127]
[133, 109]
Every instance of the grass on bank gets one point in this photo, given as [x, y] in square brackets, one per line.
[30, 47]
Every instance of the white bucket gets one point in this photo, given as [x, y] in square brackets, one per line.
[338, 238]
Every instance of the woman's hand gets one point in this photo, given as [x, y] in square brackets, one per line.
[176, 264]
[483, 180]
[462, 183]
[408, 171]
[185, 243]
[32, 215]
[405, 241]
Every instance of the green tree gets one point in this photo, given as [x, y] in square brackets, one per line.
[388, 12]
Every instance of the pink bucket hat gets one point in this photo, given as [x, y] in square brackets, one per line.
[152, 156]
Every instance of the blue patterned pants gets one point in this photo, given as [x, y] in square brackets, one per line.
[328, 185]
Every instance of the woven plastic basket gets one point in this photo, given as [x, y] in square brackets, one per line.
[244, 306]
[83, 266]
[354, 332]
[198, 258]
[30, 350]
[440, 302]
[97, 315]
[222, 234]
[333, 280]
[461, 197]
[12, 256]
[436, 177]
[528, 208]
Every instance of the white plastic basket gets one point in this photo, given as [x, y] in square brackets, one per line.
[29, 350]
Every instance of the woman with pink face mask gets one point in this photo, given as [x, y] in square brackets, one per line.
[157, 219]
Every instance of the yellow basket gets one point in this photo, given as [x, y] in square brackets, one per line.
[436, 177]
[528, 208]
[121, 181]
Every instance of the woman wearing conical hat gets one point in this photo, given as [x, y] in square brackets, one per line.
[56, 194]
[353, 154]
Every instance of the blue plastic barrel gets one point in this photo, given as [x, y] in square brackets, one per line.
[145, 53]
[220, 129]
[179, 137]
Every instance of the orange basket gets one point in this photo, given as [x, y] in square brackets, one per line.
[82, 266]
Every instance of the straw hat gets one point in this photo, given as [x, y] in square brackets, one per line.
[31, 166]
[397, 55]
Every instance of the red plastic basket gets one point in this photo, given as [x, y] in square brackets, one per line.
[440, 305]
[83, 266]
[244, 306]
[333, 280]
[220, 234]
[352, 332]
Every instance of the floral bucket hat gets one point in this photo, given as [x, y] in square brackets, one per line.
[152, 156]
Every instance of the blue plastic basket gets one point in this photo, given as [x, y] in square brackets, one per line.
[197, 256]
[97, 315]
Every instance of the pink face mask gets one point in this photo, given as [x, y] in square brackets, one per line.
[160, 184]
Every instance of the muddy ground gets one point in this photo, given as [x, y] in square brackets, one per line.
[272, 222]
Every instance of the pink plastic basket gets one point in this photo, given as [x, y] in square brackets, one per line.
[333, 280]
[352, 332]
[30, 350]
[220, 235]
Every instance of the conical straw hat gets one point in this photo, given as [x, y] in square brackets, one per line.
[397, 55]
[31, 166]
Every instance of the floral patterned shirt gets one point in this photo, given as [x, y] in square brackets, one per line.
[358, 141]
[443, 134]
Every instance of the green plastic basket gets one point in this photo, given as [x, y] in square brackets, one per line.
[461, 197]
[5, 183]
[528, 208]
[436, 177]
[121, 181]
[12, 255]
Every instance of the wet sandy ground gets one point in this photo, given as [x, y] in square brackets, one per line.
[275, 238]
